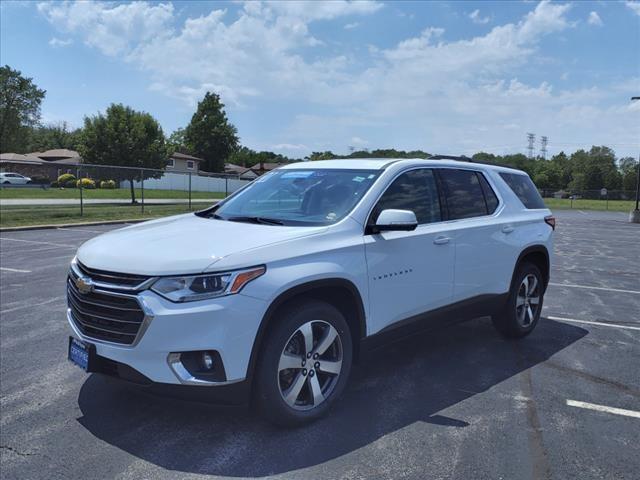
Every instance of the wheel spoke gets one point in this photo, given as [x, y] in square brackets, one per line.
[522, 314]
[291, 394]
[331, 367]
[525, 282]
[519, 301]
[288, 360]
[307, 333]
[327, 340]
[529, 314]
[534, 300]
[533, 285]
[318, 397]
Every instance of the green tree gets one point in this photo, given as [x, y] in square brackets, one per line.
[126, 138]
[629, 172]
[210, 135]
[177, 142]
[53, 136]
[20, 101]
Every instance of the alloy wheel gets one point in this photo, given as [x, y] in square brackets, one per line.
[310, 365]
[528, 300]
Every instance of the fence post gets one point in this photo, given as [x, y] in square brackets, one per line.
[80, 188]
[189, 191]
[571, 198]
[607, 200]
[142, 190]
[226, 186]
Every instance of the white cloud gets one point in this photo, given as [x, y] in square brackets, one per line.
[358, 142]
[594, 19]
[352, 25]
[57, 42]
[476, 18]
[635, 6]
[423, 92]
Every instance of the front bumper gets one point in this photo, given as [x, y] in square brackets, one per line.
[227, 325]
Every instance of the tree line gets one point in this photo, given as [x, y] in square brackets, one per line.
[125, 137]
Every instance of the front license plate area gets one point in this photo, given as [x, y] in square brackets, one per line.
[81, 353]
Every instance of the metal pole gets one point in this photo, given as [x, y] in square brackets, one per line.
[189, 191]
[80, 188]
[607, 200]
[638, 184]
[142, 190]
[226, 186]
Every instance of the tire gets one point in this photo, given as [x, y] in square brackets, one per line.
[6, 182]
[520, 315]
[320, 380]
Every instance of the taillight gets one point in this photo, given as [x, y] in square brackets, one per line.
[551, 221]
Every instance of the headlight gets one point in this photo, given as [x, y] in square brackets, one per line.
[200, 287]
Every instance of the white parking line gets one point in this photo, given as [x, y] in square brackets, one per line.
[603, 408]
[16, 270]
[589, 322]
[31, 305]
[590, 287]
[37, 243]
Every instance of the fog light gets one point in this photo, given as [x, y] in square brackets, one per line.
[207, 360]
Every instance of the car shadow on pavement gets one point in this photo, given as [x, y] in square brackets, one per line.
[406, 382]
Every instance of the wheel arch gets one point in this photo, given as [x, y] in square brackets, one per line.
[539, 256]
[339, 292]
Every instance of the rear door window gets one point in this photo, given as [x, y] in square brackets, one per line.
[524, 188]
[489, 194]
[462, 189]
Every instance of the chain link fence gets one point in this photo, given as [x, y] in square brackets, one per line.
[72, 193]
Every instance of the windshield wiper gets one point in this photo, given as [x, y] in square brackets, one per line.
[260, 220]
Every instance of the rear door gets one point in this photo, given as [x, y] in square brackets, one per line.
[409, 272]
[483, 257]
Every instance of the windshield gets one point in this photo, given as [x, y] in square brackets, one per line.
[299, 197]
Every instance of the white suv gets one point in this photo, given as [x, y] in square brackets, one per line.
[274, 292]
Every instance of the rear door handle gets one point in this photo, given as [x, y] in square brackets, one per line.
[441, 240]
[507, 229]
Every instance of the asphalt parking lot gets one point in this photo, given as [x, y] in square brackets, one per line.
[460, 403]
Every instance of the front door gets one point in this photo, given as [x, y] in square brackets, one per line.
[409, 272]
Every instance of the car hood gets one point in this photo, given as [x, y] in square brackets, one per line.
[181, 244]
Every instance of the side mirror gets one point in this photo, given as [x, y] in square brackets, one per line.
[395, 220]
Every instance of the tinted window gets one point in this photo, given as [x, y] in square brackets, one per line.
[414, 190]
[524, 188]
[489, 194]
[464, 194]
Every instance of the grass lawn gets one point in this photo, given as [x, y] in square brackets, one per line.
[8, 192]
[583, 204]
[50, 215]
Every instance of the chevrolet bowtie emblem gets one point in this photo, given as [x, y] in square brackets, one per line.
[84, 285]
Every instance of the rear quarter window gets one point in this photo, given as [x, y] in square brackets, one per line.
[524, 189]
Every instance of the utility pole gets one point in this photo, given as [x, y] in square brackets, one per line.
[531, 138]
[634, 215]
[543, 150]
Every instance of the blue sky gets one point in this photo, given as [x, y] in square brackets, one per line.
[445, 77]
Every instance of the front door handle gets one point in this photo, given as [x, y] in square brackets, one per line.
[507, 229]
[441, 240]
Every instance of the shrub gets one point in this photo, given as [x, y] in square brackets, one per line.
[64, 178]
[86, 183]
[55, 184]
[110, 184]
[69, 184]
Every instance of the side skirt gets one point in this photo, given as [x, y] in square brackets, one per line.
[480, 306]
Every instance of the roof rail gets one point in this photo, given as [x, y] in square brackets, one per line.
[461, 158]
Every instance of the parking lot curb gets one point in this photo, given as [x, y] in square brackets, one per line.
[68, 225]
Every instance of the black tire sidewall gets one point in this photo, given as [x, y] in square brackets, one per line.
[268, 395]
[506, 322]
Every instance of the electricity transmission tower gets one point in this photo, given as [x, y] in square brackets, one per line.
[531, 138]
[543, 149]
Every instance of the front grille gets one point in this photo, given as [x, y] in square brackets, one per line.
[115, 279]
[105, 316]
